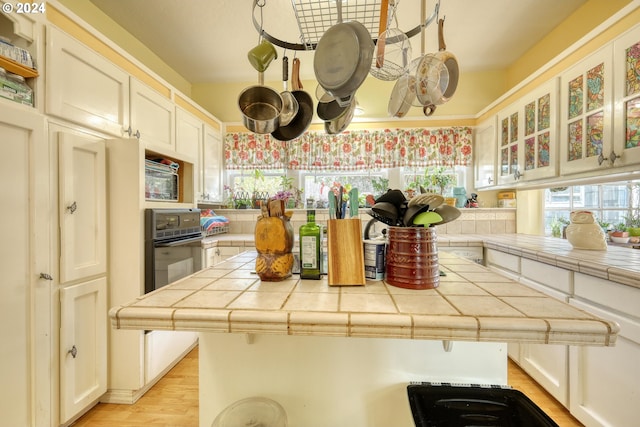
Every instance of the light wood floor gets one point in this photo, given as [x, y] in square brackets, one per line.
[173, 401]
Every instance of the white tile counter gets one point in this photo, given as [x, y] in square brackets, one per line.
[471, 304]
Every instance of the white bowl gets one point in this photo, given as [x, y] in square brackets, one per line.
[619, 239]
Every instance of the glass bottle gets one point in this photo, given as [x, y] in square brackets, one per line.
[310, 244]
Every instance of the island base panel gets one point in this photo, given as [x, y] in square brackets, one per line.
[336, 381]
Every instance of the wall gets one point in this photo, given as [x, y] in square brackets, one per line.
[471, 221]
[96, 18]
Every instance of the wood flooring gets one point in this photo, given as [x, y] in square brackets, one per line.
[173, 401]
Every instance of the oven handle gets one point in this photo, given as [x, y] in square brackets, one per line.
[178, 242]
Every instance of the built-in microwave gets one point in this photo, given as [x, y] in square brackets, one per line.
[161, 180]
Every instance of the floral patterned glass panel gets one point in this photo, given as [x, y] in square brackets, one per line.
[595, 124]
[514, 158]
[529, 118]
[575, 141]
[543, 150]
[633, 69]
[633, 123]
[504, 139]
[595, 88]
[513, 134]
[529, 153]
[575, 97]
[504, 161]
[544, 112]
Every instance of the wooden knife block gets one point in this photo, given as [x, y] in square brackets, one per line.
[345, 254]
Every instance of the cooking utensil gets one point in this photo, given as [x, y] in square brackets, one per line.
[427, 218]
[382, 27]
[300, 123]
[260, 107]
[393, 49]
[411, 213]
[432, 199]
[341, 122]
[261, 56]
[447, 212]
[393, 196]
[343, 57]
[432, 79]
[353, 202]
[402, 96]
[333, 206]
[450, 61]
[289, 102]
[385, 212]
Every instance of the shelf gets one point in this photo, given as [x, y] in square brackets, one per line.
[17, 68]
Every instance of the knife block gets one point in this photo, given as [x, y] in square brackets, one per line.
[345, 254]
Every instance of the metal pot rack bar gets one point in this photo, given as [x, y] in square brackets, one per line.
[314, 17]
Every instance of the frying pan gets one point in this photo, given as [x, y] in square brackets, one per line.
[343, 57]
[302, 119]
[450, 61]
[402, 96]
[260, 106]
[341, 122]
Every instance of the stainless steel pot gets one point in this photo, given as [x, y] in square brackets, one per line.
[303, 117]
[260, 107]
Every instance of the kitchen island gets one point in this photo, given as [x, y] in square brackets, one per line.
[343, 356]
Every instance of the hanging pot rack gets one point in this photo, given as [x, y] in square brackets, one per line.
[314, 17]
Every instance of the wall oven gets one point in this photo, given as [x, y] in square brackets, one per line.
[173, 246]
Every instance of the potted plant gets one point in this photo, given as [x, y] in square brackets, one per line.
[633, 224]
[558, 226]
[619, 230]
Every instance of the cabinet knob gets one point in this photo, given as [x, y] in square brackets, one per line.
[72, 207]
[490, 180]
[612, 158]
[517, 175]
[46, 276]
[73, 352]
[128, 131]
[137, 134]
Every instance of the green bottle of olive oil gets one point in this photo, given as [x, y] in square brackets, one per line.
[310, 244]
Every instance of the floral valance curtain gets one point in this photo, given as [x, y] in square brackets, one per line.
[354, 150]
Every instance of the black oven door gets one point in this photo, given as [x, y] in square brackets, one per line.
[168, 261]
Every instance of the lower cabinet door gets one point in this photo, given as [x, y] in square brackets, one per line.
[604, 380]
[83, 346]
[548, 364]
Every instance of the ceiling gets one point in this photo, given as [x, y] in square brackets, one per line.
[207, 40]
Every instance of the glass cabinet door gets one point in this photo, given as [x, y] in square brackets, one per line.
[586, 120]
[627, 95]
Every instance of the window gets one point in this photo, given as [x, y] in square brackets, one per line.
[317, 185]
[610, 203]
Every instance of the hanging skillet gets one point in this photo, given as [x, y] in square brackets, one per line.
[302, 119]
[343, 57]
[450, 61]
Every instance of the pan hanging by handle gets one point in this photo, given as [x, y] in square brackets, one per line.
[289, 102]
[382, 27]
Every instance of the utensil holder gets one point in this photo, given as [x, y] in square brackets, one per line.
[345, 254]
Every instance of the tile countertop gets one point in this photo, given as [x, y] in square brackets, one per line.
[471, 304]
[618, 264]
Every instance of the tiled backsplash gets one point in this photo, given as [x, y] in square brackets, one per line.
[472, 221]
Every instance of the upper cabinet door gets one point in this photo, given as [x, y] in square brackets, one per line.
[484, 151]
[509, 142]
[540, 132]
[152, 117]
[212, 165]
[586, 121]
[82, 207]
[627, 99]
[189, 139]
[84, 87]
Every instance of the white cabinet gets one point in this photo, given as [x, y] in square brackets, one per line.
[82, 206]
[83, 346]
[626, 131]
[586, 96]
[604, 380]
[484, 151]
[509, 139]
[25, 297]
[189, 140]
[84, 87]
[527, 139]
[152, 117]
[212, 165]
[540, 133]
